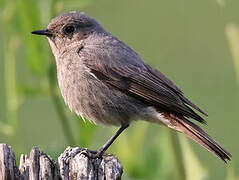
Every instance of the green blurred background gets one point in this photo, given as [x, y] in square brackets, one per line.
[195, 43]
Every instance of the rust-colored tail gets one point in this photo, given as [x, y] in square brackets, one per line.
[197, 134]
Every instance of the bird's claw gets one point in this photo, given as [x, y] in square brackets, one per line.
[92, 154]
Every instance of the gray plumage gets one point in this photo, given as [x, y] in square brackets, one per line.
[104, 80]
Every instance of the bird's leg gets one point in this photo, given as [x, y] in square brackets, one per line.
[101, 150]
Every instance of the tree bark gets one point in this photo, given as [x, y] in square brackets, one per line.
[73, 164]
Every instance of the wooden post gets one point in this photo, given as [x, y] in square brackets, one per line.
[73, 164]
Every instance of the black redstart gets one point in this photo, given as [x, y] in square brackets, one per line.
[104, 80]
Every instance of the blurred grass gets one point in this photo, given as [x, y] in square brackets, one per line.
[178, 31]
[10, 45]
[193, 167]
[232, 34]
[29, 18]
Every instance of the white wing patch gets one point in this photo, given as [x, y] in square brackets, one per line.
[92, 74]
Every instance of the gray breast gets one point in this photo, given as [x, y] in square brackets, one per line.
[89, 97]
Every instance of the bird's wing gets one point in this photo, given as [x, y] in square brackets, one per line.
[172, 86]
[146, 84]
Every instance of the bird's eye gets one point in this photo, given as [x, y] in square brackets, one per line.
[69, 29]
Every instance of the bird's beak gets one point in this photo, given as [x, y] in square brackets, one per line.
[45, 32]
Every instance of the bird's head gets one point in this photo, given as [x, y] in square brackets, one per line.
[68, 29]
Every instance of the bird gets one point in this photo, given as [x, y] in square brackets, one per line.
[107, 82]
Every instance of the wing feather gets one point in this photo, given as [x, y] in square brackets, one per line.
[146, 84]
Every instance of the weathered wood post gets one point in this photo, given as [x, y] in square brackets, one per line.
[73, 164]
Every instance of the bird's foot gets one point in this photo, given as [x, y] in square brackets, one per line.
[93, 154]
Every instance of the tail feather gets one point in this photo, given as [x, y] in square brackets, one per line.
[197, 134]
